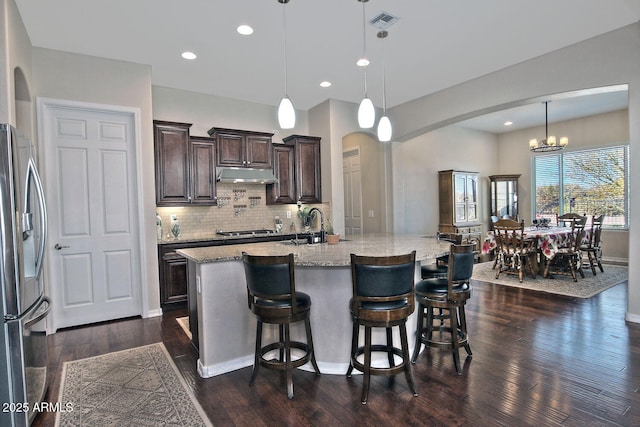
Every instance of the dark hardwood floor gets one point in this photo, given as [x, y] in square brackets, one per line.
[538, 360]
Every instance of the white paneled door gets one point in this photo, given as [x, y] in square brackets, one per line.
[90, 183]
[352, 176]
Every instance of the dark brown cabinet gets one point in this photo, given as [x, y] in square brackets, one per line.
[185, 166]
[240, 148]
[171, 144]
[284, 191]
[304, 184]
[203, 170]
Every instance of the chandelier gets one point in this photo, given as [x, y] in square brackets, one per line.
[549, 143]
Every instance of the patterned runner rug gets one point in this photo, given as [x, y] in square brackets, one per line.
[135, 387]
[184, 324]
[564, 285]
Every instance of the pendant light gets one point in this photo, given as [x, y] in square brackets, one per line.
[286, 112]
[366, 111]
[549, 142]
[384, 125]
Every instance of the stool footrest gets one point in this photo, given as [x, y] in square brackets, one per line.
[384, 371]
[282, 365]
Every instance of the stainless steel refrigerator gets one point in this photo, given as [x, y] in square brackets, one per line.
[23, 230]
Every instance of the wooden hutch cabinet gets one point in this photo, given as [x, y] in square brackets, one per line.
[459, 205]
[243, 149]
[185, 166]
[297, 167]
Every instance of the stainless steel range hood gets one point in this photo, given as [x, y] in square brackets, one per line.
[246, 176]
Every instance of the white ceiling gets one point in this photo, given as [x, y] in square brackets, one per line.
[435, 44]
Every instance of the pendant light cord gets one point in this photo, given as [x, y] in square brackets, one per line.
[284, 28]
[384, 82]
[364, 47]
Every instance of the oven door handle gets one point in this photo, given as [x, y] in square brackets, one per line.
[29, 323]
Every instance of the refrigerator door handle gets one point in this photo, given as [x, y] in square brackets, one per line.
[32, 174]
[40, 316]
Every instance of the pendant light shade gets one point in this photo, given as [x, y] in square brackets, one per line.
[384, 129]
[366, 111]
[366, 114]
[286, 112]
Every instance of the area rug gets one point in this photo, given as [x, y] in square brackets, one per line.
[184, 324]
[135, 387]
[564, 285]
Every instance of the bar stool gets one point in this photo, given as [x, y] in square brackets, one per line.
[382, 298]
[439, 269]
[273, 299]
[449, 296]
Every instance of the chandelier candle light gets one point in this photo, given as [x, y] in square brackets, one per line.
[286, 112]
[549, 143]
[366, 111]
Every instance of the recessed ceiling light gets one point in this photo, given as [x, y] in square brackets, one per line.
[508, 123]
[325, 84]
[362, 62]
[189, 55]
[245, 30]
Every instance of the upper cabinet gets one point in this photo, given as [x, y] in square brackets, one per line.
[240, 148]
[185, 166]
[284, 191]
[297, 167]
[504, 195]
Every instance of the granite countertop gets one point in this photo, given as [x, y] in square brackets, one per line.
[325, 255]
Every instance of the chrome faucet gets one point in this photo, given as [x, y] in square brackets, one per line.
[323, 234]
[295, 231]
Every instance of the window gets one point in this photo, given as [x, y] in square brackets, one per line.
[586, 182]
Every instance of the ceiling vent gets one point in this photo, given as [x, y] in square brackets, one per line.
[383, 20]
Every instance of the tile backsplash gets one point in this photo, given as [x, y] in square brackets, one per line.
[239, 208]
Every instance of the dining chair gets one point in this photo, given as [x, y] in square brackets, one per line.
[593, 245]
[565, 220]
[514, 252]
[568, 259]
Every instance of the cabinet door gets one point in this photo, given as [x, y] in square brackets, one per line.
[259, 153]
[173, 287]
[203, 170]
[284, 191]
[231, 150]
[472, 197]
[460, 197]
[172, 163]
[308, 170]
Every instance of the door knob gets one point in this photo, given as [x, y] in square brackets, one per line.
[58, 246]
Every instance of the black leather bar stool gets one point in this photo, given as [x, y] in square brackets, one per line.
[439, 269]
[382, 298]
[449, 296]
[273, 299]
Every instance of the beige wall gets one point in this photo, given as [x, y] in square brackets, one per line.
[68, 76]
[416, 163]
[372, 178]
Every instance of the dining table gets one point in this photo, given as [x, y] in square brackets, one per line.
[547, 240]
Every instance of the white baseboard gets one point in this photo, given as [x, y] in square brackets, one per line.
[633, 318]
[223, 368]
[152, 313]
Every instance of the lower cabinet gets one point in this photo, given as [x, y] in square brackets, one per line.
[173, 273]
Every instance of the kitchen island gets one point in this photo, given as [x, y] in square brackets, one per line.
[226, 327]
